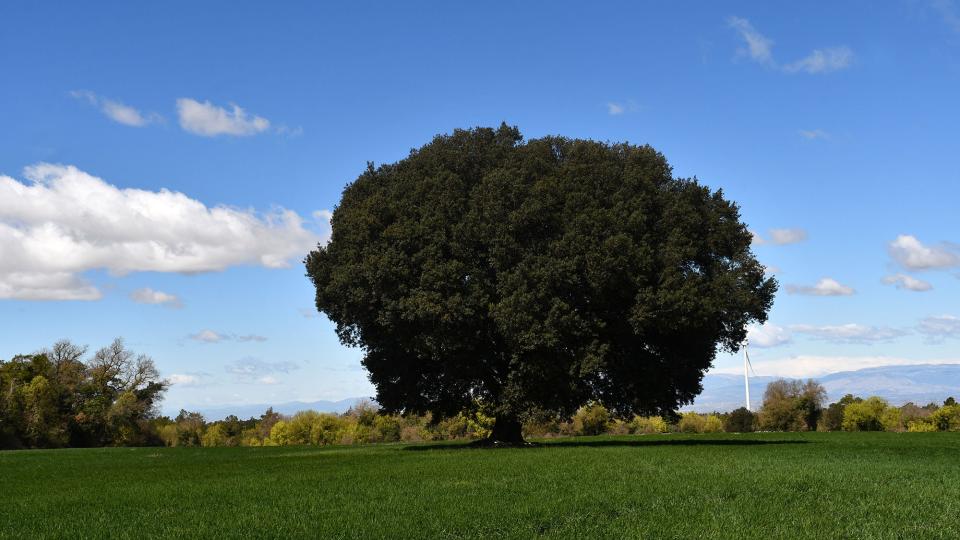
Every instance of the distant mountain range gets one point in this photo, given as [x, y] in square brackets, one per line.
[920, 384]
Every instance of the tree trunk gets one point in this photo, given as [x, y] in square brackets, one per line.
[506, 430]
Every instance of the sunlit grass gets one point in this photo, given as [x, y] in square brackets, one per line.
[773, 485]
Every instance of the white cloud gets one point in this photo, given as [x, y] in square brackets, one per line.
[759, 47]
[779, 237]
[910, 283]
[147, 295]
[210, 336]
[207, 336]
[254, 369]
[768, 335]
[822, 61]
[802, 366]
[181, 379]
[209, 120]
[812, 134]
[910, 253]
[116, 111]
[938, 327]
[849, 333]
[782, 237]
[824, 287]
[249, 337]
[65, 222]
[615, 108]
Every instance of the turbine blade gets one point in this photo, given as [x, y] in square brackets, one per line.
[749, 363]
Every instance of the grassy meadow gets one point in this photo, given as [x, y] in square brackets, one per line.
[765, 485]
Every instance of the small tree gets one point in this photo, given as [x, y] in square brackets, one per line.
[866, 415]
[740, 421]
[792, 405]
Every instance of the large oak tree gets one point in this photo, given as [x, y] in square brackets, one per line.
[535, 277]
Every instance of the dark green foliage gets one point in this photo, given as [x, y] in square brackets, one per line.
[55, 399]
[536, 276]
[790, 405]
[833, 415]
[765, 485]
[740, 421]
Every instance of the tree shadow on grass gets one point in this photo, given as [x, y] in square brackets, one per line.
[600, 443]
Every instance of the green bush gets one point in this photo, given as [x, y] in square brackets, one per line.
[946, 418]
[866, 415]
[649, 425]
[712, 424]
[691, 422]
[740, 421]
[591, 419]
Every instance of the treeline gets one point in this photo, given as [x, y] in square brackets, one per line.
[361, 424]
[58, 398]
[787, 406]
[799, 406]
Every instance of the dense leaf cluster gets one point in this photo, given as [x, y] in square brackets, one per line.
[536, 276]
[55, 398]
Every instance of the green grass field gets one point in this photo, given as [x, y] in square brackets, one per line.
[775, 485]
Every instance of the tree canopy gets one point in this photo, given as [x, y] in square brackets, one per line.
[53, 398]
[536, 276]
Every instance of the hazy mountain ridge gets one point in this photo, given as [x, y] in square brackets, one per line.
[921, 384]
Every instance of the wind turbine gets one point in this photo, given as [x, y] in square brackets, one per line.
[746, 375]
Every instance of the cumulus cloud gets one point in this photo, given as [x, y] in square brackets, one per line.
[939, 327]
[812, 134]
[63, 222]
[912, 254]
[51, 285]
[822, 61]
[910, 283]
[759, 48]
[779, 237]
[802, 366]
[824, 287]
[210, 336]
[849, 333]
[147, 295]
[767, 335]
[262, 371]
[117, 111]
[209, 120]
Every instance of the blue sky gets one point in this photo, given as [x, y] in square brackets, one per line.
[164, 167]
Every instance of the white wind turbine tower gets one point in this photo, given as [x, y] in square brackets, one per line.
[746, 375]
